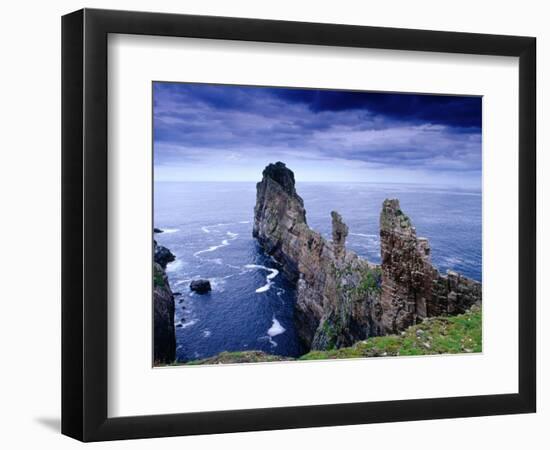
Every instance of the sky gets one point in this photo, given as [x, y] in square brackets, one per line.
[205, 132]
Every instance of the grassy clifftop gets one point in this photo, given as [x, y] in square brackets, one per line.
[436, 335]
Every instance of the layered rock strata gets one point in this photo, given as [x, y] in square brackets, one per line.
[412, 288]
[164, 342]
[342, 298]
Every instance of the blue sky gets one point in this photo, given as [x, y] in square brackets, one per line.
[230, 133]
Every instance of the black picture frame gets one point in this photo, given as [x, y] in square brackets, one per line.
[84, 224]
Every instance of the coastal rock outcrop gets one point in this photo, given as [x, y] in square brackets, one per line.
[412, 288]
[163, 256]
[342, 298]
[200, 286]
[164, 347]
[336, 289]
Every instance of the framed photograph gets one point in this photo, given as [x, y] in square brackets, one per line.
[273, 224]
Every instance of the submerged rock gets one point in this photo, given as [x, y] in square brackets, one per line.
[200, 286]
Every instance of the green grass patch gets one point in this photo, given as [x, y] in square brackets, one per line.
[158, 279]
[438, 335]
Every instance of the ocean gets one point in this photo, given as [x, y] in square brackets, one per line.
[208, 226]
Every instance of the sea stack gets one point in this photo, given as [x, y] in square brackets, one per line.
[331, 308]
[412, 288]
[342, 298]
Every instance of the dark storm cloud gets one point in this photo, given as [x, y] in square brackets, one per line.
[409, 132]
[436, 109]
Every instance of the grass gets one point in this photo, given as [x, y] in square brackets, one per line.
[158, 278]
[370, 283]
[438, 335]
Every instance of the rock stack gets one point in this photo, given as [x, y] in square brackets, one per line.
[412, 288]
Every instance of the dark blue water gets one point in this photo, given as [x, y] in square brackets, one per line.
[208, 226]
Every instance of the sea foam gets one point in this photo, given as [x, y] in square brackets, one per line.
[275, 330]
[225, 242]
[272, 274]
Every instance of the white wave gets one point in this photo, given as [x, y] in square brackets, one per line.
[272, 274]
[206, 228]
[268, 338]
[264, 288]
[187, 280]
[218, 283]
[225, 243]
[453, 261]
[211, 248]
[173, 266]
[206, 333]
[170, 230]
[364, 235]
[276, 328]
[245, 221]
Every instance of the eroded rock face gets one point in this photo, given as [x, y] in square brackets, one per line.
[334, 299]
[163, 256]
[342, 298]
[339, 235]
[412, 288]
[164, 342]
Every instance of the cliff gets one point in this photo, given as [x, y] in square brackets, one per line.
[164, 350]
[342, 298]
[412, 288]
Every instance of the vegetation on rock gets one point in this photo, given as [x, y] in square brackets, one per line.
[435, 335]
